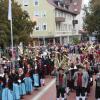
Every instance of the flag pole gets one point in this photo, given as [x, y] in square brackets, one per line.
[12, 45]
[10, 19]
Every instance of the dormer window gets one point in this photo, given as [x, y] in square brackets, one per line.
[25, 2]
[36, 2]
[59, 4]
[56, 2]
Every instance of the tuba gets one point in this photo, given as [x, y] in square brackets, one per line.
[64, 62]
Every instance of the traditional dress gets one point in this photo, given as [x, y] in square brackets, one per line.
[36, 79]
[7, 93]
[28, 82]
[16, 94]
[1, 83]
[21, 83]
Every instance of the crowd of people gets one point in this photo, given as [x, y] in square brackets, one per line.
[28, 72]
[83, 64]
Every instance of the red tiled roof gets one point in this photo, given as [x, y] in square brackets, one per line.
[72, 6]
[75, 6]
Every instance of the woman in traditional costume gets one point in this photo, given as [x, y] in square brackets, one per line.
[1, 81]
[7, 93]
[28, 80]
[14, 78]
[36, 78]
[21, 83]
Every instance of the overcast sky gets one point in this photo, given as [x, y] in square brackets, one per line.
[86, 2]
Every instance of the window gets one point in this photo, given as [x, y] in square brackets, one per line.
[44, 27]
[25, 2]
[36, 2]
[36, 13]
[37, 27]
[43, 13]
[66, 27]
[58, 13]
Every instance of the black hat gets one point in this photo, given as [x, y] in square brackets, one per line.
[60, 69]
[80, 66]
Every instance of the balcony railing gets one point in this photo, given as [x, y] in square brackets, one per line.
[59, 19]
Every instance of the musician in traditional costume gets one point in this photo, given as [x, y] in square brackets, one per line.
[71, 74]
[61, 82]
[80, 83]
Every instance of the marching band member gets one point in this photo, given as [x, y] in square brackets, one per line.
[61, 82]
[80, 83]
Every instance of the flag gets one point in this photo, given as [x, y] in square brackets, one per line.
[9, 11]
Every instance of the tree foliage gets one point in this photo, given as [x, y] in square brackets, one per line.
[22, 25]
[92, 19]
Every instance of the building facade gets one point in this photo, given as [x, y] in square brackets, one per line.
[54, 20]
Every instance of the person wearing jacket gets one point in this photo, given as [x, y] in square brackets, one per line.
[61, 82]
[80, 82]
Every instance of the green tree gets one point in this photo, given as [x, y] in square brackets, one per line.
[92, 19]
[22, 25]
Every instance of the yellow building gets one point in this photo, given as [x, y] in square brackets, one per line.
[54, 19]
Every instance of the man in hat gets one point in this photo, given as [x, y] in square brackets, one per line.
[80, 82]
[61, 82]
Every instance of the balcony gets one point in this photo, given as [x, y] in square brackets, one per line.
[59, 19]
